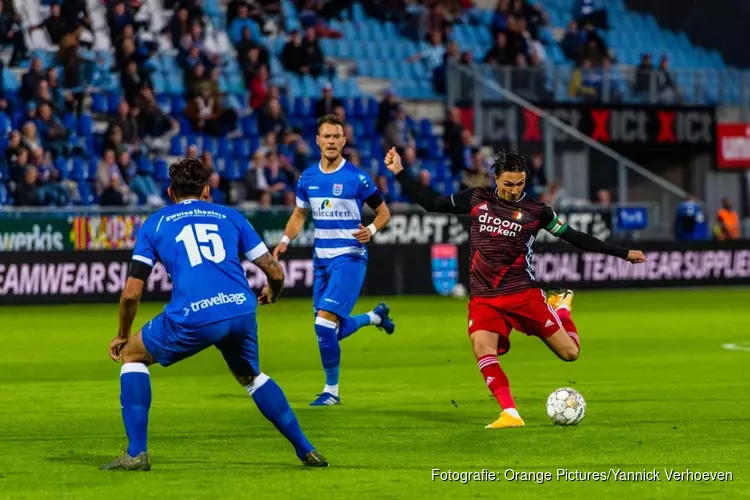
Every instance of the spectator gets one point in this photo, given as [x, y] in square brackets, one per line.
[424, 178]
[18, 166]
[105, 169]
[63, 97]
[255, 180]
[13, 148]
[573, 42]
[207, 114]
[499, 54]
[132, 81]
[52, 132]
[327, 104]
[410, 161]
[313, 54]
[118, 19]
[117, 193]
[28, 194]
[583, 82]
[250, 65]
[727, 222]
[259, 88]
[643, 74]
[293, 54]
[596, 44]
[279, 185]
[144, 187]
[43, 96]
[192, 151]
[500, 17]
[612, 84]
[452, 59]
[398, 133]
[386, 111]
[216, 195]
[52, 190]
[271, 118]
[11, 34]
[241, 22]
[475, 175]
[666, 87]
[298, 148]
[155, 125]
[30, 80]
[126, 120]
[433, 55]
[178, 26]
[54, 24]
[604, 198]
[385, 192]
[30, 138]
[536, 180]
[453, 139]
[587, 11]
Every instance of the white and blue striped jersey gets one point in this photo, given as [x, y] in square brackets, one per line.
[335, 200]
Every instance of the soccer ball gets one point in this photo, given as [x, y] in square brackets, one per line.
[458, 291]
[566, 407]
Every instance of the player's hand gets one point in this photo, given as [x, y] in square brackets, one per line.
[280, 248]
[363, 235]
[636, 257]
[115, 347]
[393, 161]
[265, 296]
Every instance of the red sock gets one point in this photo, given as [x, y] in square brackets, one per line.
[496, 380]
[567, 323]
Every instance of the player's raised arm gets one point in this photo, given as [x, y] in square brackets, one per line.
[459, 203]
[557, 227]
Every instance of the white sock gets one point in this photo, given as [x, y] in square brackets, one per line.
[332, 389]
[374, 318]
[513, 412]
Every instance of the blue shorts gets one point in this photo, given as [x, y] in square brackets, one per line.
[337, 285]
[236, 338]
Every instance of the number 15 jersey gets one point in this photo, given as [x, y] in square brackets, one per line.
[200, 244]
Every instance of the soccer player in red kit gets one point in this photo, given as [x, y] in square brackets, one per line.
[504, 293]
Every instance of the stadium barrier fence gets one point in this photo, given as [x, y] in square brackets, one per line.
[394, 269]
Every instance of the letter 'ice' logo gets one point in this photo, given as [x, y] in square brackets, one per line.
[338, 189]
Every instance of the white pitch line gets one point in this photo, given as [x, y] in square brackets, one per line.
[741, 346]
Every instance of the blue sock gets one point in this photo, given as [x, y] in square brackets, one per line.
[135, 398]
[273, 405]
[330, 352]
[352, 324]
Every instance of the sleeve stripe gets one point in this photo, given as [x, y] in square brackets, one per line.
[256, 252]
[301, 203]
[145, 260]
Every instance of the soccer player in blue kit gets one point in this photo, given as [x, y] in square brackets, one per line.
[199, 244]
[334, 191]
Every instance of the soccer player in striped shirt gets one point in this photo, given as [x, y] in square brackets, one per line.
[504, 293]
[335, 192]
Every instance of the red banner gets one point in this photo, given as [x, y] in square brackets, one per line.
[733, 145]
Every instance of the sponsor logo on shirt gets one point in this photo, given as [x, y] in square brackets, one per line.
[327, 210]
[218, 300]
[498, 226]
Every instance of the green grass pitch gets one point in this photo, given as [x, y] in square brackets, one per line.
[662, 393]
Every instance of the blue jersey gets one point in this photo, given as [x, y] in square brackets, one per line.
[335, 200]
[691, 223]
[200, 244]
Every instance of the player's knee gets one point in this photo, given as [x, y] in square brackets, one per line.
[328, 316]
[569, 353]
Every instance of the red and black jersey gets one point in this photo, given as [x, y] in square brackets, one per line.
[502, 235]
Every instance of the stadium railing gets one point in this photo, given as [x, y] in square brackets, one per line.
[570, 155]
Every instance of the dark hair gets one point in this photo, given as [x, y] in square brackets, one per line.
[330, 120]
[188, 177]
[508, 162]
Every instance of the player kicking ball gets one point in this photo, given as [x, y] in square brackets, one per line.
[199, 244]
[335, 191]
[504, 294]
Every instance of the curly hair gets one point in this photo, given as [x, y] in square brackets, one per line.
[188, 177]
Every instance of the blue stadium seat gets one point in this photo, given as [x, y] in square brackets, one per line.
[241, 148]
[80, 171]
[161, 171]
[85, 125]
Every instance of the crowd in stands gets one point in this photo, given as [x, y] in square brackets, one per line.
[51, 127]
